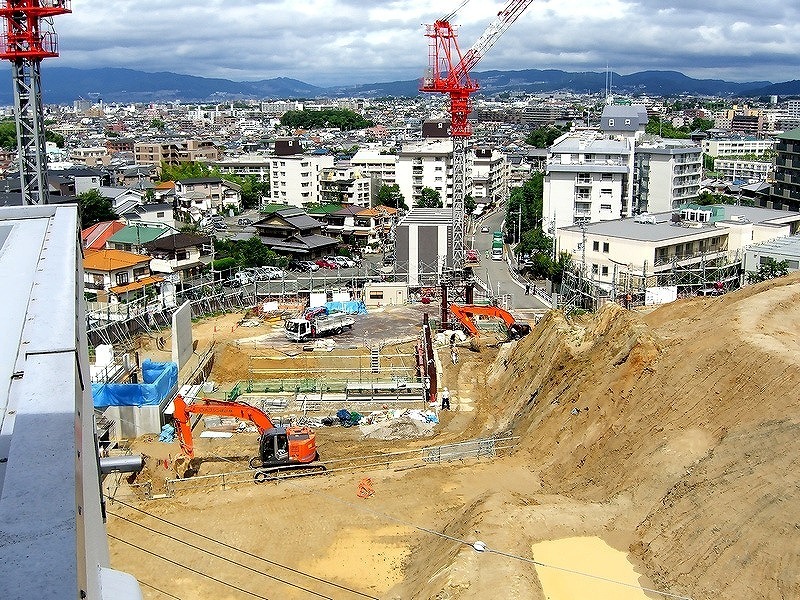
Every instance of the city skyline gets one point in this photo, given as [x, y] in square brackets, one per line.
[371, 42]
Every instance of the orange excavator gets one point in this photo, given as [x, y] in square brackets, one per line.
[279, 448]
[465, 312]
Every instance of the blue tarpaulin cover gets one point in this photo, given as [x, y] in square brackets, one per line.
[353, 307]
[157, 380]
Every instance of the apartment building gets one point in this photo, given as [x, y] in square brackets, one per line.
[586, 180]
[490, 176]
[731, 169]
[785, 192]
[246, 165]
[380, 165]
[94, 156]
[651, 244]
[667, 174]
[294, 176]
[737, 146]
[175, 152]
[428, 163]
[346, 184]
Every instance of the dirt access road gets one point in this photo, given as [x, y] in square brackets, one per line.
[673, 437]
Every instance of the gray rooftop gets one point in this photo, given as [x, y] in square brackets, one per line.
[664, 229]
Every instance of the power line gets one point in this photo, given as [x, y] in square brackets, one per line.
[215, 555]
[188, 568]
[484, 548]
[160, 591]
[250, 554]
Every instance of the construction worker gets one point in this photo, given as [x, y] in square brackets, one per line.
[445, 399]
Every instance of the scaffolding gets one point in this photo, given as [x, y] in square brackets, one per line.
[629, 285]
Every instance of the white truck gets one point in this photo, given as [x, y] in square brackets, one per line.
[302, 329]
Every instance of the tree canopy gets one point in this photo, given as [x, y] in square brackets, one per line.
[666, 129]
[94, 208]
[431, 198]
[543, 137]
[389, 195]
[344, 119]
[768, 269]
[248, 253]
[8, 135]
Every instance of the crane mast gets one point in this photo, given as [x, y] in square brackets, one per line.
[26, 39]
[449, 73]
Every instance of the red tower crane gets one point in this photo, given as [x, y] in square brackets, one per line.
[26, 39]
[449, 73]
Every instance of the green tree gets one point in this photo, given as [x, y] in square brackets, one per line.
[527, 199]
[157, 124]
[543, 137]
[469, 204]
[768, 269]
[8, 135]
[430, 198]
[186, 170]
[343, 119]
[94, 208]
[389, 195]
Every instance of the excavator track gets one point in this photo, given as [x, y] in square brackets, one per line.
[285, 471]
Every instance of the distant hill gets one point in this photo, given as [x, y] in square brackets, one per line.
[63, 85]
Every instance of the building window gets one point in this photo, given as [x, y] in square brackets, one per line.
[627, 121]
[160, 214]
[605, 207]
[607, 177]
[594, 269]
[122, 278]
[596, 246]
[605, 247]
[611, 122]
[604, 270]
[376, 294]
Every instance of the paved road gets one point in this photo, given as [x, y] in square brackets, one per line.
[496, 272]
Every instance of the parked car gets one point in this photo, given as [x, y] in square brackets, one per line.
[303, 266]
[484, 229]
[342, 261]
[244, 222]
[324, 263]
[272, 272]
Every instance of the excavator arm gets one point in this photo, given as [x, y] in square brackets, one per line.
[465, 312]
[209, 406]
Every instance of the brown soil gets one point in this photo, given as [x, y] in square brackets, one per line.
[674, 436]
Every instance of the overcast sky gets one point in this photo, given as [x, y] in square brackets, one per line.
[336, 42]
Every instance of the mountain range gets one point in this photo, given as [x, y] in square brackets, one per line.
[63, 85]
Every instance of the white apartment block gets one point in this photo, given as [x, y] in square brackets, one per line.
[750, 171]
[295, 178]
[345, 184]
[667, 174]
[647, 245]
[737, 146]
[381, 167]
[490, 176]
[245, 165]
[586, 179]
[428, 163]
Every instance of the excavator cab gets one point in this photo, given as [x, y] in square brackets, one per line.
[274, 447]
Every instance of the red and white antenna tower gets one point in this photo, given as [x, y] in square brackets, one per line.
[27, 38]
[449, 73]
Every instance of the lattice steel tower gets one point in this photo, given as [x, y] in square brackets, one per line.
[28, 37]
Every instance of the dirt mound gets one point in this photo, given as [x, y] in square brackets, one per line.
[691, 410]
[672, 435]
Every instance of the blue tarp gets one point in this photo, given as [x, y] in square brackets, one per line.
[158, 379]
[353, 307]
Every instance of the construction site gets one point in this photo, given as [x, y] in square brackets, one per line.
[613, 455]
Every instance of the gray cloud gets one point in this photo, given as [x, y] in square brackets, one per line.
[327, 42]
